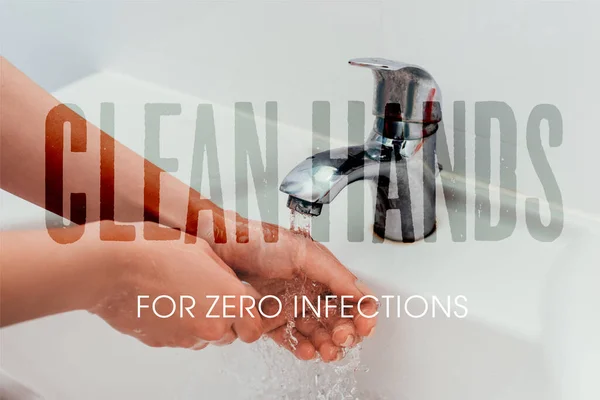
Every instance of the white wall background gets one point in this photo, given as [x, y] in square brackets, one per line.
[521, 52]
[295, 52]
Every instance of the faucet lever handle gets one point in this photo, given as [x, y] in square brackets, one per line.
[409, 88]
[378, 63]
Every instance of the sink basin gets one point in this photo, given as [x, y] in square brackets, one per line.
[531, 332]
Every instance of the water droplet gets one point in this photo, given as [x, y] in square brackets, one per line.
[279, 375]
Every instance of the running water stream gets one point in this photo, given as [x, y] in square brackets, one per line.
[282, 376]
[300, 223]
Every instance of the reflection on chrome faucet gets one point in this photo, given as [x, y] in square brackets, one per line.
[398, 158]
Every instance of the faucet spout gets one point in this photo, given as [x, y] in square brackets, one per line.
[304, 207]
[401, 174]
[319, 179]
[398, 158]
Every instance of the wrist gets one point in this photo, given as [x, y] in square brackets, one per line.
[42, 277]
[100, 268]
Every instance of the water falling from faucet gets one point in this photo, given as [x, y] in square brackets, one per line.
[323, 381]
[300, 223]
[269, 372]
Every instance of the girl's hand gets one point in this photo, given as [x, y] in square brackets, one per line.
[175, 269]
[293, 264]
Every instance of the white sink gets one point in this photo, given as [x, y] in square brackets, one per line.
[532, 331]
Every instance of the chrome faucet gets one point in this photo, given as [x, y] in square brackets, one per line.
[399, 156]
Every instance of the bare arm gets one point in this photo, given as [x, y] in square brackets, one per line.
[40, 277]
[31, 168]
[32, 144]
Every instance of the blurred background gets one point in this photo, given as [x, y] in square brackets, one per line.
[526, 340]
[522, 52]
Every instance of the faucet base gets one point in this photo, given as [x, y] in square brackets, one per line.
[380, 235]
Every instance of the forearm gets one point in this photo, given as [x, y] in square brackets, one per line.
[39, 277]
[31, 158]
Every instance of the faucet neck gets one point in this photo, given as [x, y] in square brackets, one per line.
[394, 128]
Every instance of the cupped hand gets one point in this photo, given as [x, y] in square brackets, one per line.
[294, 264]
[176, 269]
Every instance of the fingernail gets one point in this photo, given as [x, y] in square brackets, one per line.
[367, 292]
[371, 332]
[199, 345]
[348, 342]
[340, 355]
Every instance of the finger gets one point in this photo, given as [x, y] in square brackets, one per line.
[298, 344]
[211, 253]
[339, 323]
[250, 291]
[249, 325]
[320, 338]
[319, 264]
[270, 324]
[198, 344]
[281, 311]
[248, 328]
[228, 337]
[150, 342]
[289, 255]
[337, 319]
[248, 322]
[343, 332]
[364, 319]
